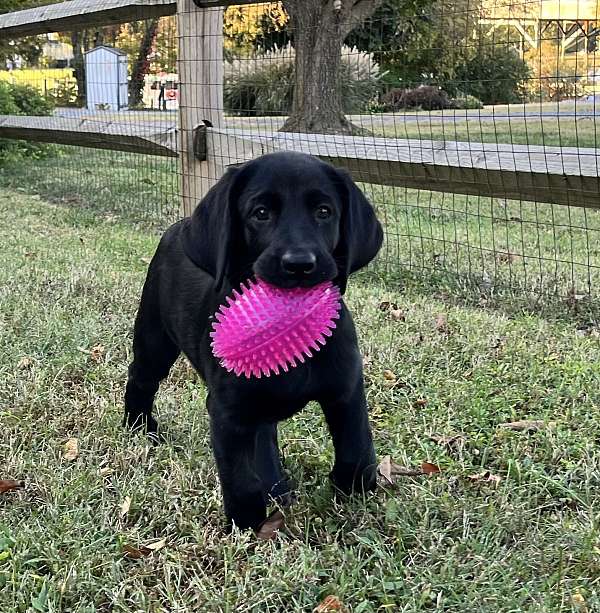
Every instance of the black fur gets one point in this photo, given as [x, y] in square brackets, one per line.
[293, 221]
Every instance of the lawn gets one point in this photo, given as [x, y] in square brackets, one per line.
[492, 243]
[510, 524]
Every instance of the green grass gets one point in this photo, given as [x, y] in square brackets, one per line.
[70, 280]
[491, 243]
[560, 131]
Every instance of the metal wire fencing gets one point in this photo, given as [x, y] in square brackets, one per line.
[502, 84]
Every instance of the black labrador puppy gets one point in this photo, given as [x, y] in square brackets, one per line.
[291, 220]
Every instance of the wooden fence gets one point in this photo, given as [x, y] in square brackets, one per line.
[561, 175]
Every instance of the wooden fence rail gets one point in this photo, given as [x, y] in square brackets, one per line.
[563, 175]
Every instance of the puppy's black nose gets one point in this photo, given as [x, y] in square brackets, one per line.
[299, 263]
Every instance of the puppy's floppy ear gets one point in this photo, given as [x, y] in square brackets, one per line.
[361, 234]
[209, 234]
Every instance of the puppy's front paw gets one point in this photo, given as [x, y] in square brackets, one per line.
[352, 479]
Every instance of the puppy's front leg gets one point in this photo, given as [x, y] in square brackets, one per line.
[355, 463]
[234, 447]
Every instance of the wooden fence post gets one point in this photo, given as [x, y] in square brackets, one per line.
[200, 65]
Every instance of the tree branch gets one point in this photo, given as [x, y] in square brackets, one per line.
[361, 9]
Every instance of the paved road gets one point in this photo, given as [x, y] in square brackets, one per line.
[589, 108]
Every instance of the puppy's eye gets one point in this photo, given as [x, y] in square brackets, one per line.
[261, 213]
[323, 212]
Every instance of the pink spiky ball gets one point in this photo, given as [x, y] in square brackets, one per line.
[266, 328]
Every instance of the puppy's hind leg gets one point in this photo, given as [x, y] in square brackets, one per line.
[153, 355]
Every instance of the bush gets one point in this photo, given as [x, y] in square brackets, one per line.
[264, 84]
[18, 99]
[466, 101]
[495, 75]
[425, 97]
[553, 78]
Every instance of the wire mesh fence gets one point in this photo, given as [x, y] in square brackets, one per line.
[423, 77]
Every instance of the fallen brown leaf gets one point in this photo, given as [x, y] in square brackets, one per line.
[441, 324]
[330, 604]
[387, 470]
[106, 471]
[386, 305]
[156, 545]
[271, 525]
[97, 352]
[421, 402]
[506, 257]
[526, 425]
[485, 476]
[135, 553]
[398, 314]
[430, 469]
[447, 441]
[125, 506]
[388, 375]
[24, 363]
[9, 485]
[71, 450]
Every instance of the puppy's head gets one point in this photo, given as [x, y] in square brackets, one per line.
[289, 218]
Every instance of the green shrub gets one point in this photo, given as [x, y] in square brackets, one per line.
[554, 78]
[425, 97]
[8, 105]
[495, 75]
[466, 101]
[264, 84]
[18, 99]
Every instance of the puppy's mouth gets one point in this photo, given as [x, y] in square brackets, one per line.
[292, 281]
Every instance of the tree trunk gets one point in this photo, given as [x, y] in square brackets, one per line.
[319, 29]
[142, 63]
[79, 66]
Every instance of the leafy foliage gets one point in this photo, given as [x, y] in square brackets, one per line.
[22, 100]
[250, 27]
[553, 78]
[418, 41]
[426, 97]
[264, 84]
[495, 75]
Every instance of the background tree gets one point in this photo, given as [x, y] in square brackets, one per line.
[29, 48]
[319, 28]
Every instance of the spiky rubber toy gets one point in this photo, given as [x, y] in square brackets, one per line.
[266, 328]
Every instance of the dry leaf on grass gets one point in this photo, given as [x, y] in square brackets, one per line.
[398, 315]
[106, 471]
[505, 257]
[447, 441]
[24, 363]
[125, 506]
[135, 553]
[270, 527]
[441, 324]
[430, 469]
[387, 470]
[9, 485]
[97, 352]
[526, 425]
[330, 604]
[386, 305]
[579, 602]
[71, 450]
[486, 477]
